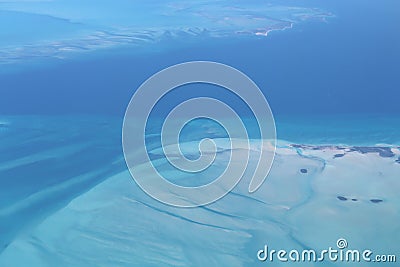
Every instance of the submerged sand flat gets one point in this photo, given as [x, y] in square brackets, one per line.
[61, 29]
[313, 196]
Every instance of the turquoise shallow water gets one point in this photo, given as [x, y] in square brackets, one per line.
[346, 129]
[66, 156]
[84, 204]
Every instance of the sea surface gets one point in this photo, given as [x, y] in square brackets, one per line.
[328, 70]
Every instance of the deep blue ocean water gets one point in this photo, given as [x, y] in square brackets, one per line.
[345, 69]
[347, 65]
